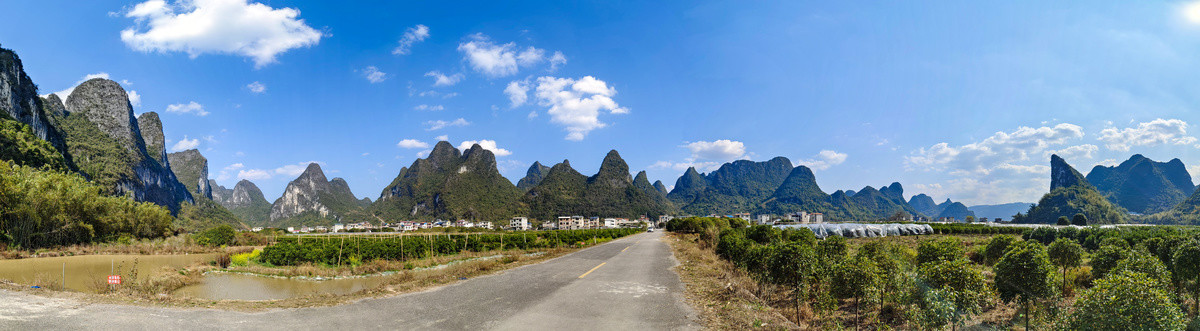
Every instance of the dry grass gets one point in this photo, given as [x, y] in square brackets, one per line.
[180, 244]
[723, 294]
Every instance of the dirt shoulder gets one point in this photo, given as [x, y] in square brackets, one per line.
[722, 294]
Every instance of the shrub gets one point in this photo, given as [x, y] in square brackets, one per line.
[223, 260]
[217, 236]
[996, 248]
[1127, 300]
[947, 249]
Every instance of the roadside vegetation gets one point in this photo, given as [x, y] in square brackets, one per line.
[1070, 278]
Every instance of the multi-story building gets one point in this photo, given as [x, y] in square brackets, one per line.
[572, 223]
[816, 218]
[519, 223]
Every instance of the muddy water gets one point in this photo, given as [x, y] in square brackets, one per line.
[230, 286]
[89, 273]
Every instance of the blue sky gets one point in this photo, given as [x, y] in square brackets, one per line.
[953, 99]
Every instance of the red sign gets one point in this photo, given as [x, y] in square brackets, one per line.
[114, 280]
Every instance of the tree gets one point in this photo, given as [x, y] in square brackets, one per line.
[1079, 220]
[853, 281]
[1187, 268]
[1106, 258]
[892, 264]
[1144, 263]
[1063, 220]
[966, 286]
[218, 236]
[970, 219]
[1024, 273]
[1127, 300]
[947, 249]
[1065, 253]
[792, 265]
[996, 248]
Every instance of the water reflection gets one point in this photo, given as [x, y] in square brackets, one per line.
[231, 286]
[89, 273]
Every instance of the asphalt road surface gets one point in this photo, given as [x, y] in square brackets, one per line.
[626, 284]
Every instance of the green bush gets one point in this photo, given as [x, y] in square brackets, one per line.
[1127, 300]
[218, 236]
[332, 250]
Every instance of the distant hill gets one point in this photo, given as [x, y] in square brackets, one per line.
[957, 210]
[245, 201]
[611, 192]
[310, 199]
[1070, 193]
[738, 186]
[451, 185]
[1142, 185]
[533, 176]
[191, 167]
[924, 204]
[1003, 211]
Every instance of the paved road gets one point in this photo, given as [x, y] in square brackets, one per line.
[625, 284]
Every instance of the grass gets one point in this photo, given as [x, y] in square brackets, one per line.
[722, 294]
[179, 244]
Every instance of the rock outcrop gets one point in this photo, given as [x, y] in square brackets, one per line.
[19, 100]
[101, 124]
[313, 198]
[192, 170]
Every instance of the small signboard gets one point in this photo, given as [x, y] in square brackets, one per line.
[114, 280]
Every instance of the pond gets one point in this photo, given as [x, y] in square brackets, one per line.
[89, 273]
[235, 286]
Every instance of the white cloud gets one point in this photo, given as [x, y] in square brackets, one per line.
[518, 92]
[429, 108]
[486, 144]
[1005, 167]
[424, 153]
[188, 108]
[1001, 147]
[440, 79]
[443, 138]
[256, 87]
[253, 174]
[707, 155]
[373, 74]
[681, 166]
[197, 27]
[495, 60]
[135, 99]
[824, 160]
[294, 170]
[411, 36]
[64, 94]
[185, 144]
[412, 143]
[1084, 151]
[723, 150]
[576, 104]
[1158, 131]
[440, 124]
[558, 59]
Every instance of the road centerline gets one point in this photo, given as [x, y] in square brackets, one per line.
[593, 269]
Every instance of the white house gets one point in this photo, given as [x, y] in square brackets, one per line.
[519, 223]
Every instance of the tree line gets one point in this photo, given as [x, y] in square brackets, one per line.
[1121, 279]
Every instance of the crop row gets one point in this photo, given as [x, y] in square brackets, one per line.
[333, 250]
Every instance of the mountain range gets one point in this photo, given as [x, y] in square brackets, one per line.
[94, 133]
